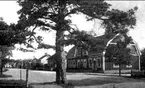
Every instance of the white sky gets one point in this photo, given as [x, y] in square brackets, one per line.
[8, 10]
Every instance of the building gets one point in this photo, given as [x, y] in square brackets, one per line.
[94, 59]
[52, 61]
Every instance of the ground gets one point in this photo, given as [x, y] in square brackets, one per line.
[45, 79]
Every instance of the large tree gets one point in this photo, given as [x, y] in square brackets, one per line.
[53, 15]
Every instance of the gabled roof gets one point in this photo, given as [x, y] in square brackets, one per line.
[45, 55]
[71, 53]
[132, 45]
[53, 57]
[100, 44]
[135, 49]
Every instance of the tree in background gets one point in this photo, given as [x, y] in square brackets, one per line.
[4, 58]
[120, 23]
[119, 54]
[143, 59]
[9, 36]
[53, 15]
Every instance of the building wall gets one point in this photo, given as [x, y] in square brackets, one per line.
[95, 63]
[112, 66]
[134, 64]
[71, 63]
[92, 63]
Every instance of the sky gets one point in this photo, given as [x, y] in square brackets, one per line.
[8, 10]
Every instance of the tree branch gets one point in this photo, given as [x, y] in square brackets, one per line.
[40, 23]
[45, 46]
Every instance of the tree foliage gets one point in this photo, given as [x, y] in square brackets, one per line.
[120, 51]
[143, 59]
[45, 14]
[120, 21]
[9, 36]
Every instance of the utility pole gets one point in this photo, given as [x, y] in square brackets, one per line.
[27, 77]
[27, 74]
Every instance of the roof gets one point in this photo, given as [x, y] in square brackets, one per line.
[71, 53]
[54, 56]
[100, 44]
[132, 45]
[45, 55]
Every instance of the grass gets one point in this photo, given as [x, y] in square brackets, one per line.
[44, 79]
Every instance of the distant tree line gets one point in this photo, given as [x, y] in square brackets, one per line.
[32, 64]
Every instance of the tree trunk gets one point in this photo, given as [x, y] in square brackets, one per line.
[60, 56]
[27, 75]
[60, 60]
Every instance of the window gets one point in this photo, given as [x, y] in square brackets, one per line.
[74, 62]
[85, 52]
[79, 52]
[99, 62]
[78, 63]
[67, 61]
[114, 58]
[84, 60]
[90, 61]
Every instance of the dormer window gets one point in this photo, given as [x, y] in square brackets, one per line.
[81, 51]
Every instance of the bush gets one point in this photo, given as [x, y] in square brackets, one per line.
[137, 73]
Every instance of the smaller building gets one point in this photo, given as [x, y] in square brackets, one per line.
[52, 61]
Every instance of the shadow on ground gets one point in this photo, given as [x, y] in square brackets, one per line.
[5, 76]
[12, 83]
[94, 81]
[91, 81]
[44, 83]
[50, 85]
[97, 81]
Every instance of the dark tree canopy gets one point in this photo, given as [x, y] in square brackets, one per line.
[119, 51]
[33, 12]
[11, 34]
[48, 14]
[120, 21]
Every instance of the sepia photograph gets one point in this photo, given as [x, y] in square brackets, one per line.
[72, 44]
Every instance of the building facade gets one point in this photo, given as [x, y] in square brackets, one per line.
[94, 59]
